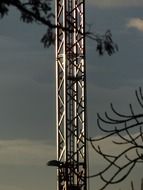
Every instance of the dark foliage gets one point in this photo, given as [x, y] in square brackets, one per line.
[40, 11]
[126, 132]
[105, 43]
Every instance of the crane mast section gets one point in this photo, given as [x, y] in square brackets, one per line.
[71, 95]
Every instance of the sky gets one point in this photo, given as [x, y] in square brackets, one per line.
[27, 91]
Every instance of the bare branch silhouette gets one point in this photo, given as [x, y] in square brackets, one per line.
[125, 131]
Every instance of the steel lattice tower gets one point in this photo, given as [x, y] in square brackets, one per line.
[71, 95]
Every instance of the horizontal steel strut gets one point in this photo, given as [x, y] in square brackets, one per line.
[71, 95]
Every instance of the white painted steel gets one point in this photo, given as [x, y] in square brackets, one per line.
[71, 95]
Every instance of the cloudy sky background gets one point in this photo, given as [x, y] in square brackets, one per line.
[27, 91]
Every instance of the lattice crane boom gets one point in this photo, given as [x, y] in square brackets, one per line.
[71, 95]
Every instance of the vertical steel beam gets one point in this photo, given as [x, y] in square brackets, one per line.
[71, 95]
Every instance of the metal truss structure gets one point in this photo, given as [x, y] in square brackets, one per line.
[71, 95]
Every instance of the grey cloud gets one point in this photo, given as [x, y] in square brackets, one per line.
[125, 67]
[26, 152]
[26, 82]
[27, 90]
[10, 187]
[116, 3]
[26, 96]
[7, 42]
